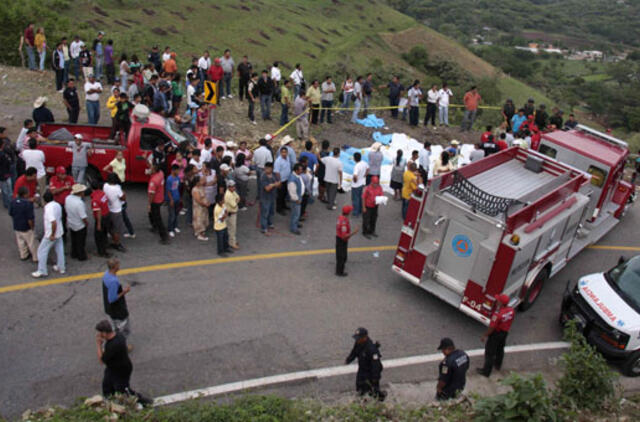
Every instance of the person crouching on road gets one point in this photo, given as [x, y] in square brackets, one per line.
[343, 234]
[369, 364]
[496, 335]
[452, 372]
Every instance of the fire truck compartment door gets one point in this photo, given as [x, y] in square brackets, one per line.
[458, 255]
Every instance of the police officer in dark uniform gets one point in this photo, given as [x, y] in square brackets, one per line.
[496, 335]
[452, 372]
[369, 364]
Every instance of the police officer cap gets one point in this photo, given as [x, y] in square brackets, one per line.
[445, 343]
[360, 332]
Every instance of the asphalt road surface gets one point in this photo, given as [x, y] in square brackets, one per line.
[199, 325]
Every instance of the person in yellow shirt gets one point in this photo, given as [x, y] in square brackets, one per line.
[231, 201]
[40, 42]
[409, 184]
[112, 105]
[315, 96]
[220, 226]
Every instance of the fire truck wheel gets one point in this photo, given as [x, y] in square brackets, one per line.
[92, 175]
[631, 366]
[534, 290]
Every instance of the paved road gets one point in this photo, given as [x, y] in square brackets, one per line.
[205, 325]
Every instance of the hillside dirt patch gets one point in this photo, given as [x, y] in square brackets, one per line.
[254, 42]
[148, 12]
[279, 30]
[101, 12]
[117, 22]
[311, 55]
[159, 31]
[178, 14]
[264, 35]
[302, 37]
[245, 8]
[439, 46]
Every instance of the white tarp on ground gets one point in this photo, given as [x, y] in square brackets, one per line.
[399, 141]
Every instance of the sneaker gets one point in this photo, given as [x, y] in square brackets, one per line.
[334, 207]
[177, 230]
[229, 96]
[172, 234]
[129, 235]
[119, 247]
[223, 98]
[296, 232]
[183, 211]
[244, 209]
[38, 274]
[201, 237]
[56, 268]
[254, 122]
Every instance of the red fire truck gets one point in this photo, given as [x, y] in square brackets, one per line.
[509, 222]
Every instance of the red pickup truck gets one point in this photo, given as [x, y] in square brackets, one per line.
[144, 135]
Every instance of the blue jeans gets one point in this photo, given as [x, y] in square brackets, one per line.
[443, 115]
[356, 200]
[5, 186]
[405, 207]
[65, 76]
[173, 216]
[393, 102]
[78, 173]
[296, 91]
[226, 85]
[98, 68]
[326, 106]
[43, 56]
[222, 237]
[265, 106]
[468, 119]
[346, 99]
[93, 112]
[43, 253]
[31, 55]
[266, 214]
[284, 115]
[75, 66]
[295, 216]
[366, 99]
[356, 110]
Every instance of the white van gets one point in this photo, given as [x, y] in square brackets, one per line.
[606, 308]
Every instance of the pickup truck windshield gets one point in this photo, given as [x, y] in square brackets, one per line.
[178, 134]
[625, 279]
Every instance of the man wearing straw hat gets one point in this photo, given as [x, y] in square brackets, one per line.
[41, 114]
[77, 221]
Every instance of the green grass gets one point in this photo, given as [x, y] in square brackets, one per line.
[520, 92]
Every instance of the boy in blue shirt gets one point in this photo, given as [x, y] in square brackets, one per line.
[173, 198]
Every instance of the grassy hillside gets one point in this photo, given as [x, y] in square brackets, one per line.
[326, 36]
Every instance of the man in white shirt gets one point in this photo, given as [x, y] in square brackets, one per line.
[35, 158]
[205, 154]
[444, 97]
[432, 106]
[204, 63]
[261, 156]
[92, 90]
[424, 161]
[332, 177]
[414, 94]
[297, 78]
[357, 99]
[53, 231]
[275, 74]
[358, 181]
[295, 188]
[21, 142]
[74, 52]
[114, 194]
[77, 221]
[477, 153]
[196, 159]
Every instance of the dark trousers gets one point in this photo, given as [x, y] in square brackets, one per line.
[243, 86]
[222, 238]
[414, 115]
[305, 202]
[281, 200]
[369, 219]
[78, 242]
[284, 114]
[111, 74]
[341, 254]
[251, 113]
[156, 221]
[59, 78]
[114, 383]
[326, 107]
[73, 114]
[431, 114]
[100, 236]
[494, 351]
[315, 110]
[393, 102]
[332, 190]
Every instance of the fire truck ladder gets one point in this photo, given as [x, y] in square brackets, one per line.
[478, 199]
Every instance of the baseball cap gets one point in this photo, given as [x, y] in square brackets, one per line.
[231, 183]
[504, 299]
[360, 332]
[60, 169]
[445, 343]
[78, 136]
[347, 209]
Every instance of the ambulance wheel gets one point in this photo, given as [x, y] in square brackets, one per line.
[534, 290]
[631, 366]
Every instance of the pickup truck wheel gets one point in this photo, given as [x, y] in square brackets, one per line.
[534, 290]
[92, 175]
[631, 366]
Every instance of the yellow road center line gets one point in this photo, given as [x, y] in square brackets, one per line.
[214, 261]
[186, 264]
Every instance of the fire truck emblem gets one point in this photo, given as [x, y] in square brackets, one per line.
[461, 245]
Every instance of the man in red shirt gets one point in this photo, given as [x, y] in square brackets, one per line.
[100, 208]
[502, 142]
[343, 234]
[471, 101]
[216, 73]
[29, 39]
[496, 335]
[156, 199]
[485, 135]
[370, 215]
[60, 186]
[29, 180]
